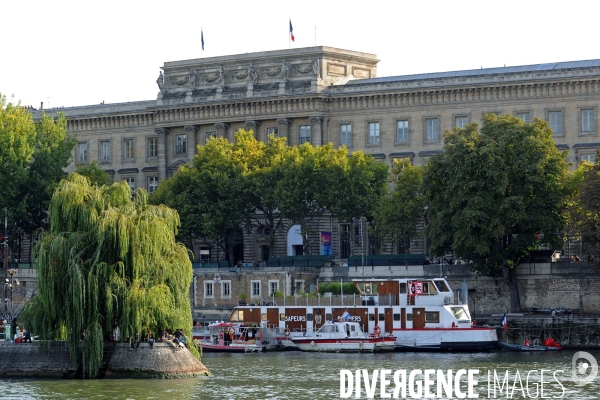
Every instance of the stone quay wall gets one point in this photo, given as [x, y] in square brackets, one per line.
[52, 360]
[570, 331]
[163, 360]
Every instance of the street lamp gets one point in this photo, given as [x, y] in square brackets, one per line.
[11, 272]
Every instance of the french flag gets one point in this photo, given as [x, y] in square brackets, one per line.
[504, 323]
[291, 31]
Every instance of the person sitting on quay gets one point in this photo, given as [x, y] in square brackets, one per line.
[26, 336]
[150, 339]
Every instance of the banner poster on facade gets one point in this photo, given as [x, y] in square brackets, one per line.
[325, 243]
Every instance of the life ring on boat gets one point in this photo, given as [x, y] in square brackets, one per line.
[286, 332]
[377, 330]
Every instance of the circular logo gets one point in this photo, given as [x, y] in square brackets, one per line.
[583, 371]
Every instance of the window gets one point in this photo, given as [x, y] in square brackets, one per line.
[225, 288]
[432, 316]
[128, 148]
[299, 286]
[346, 135]
[105, 151]
[273, 131]
[304, 134]
[209, 135]
[525, 116]
[345, 234]
[131, 182]
[555, 118]
[152, 147]
[373, 128]
[402, 131]
[587, 121]
[273, 287]
[181, 144]
[461, 122]
[82, 152]
[591, 158]
[433, 129]
[208, 289]
[152, 183]
[255, 288]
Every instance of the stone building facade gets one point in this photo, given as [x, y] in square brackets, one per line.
[323, 94]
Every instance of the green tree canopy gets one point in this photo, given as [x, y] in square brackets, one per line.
[585, 210]
[109, 260]
[32, 158]
[94, 173]
[401, 210]
[493, 194]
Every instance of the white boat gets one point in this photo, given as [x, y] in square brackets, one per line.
[344, 336]
[227, 337]
[420, 313]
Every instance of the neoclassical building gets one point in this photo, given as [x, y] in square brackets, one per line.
[323, 94]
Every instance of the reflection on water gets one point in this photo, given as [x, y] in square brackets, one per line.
[298, 376]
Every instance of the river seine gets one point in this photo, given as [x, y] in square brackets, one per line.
[299, 376]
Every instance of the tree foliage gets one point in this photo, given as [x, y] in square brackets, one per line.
[492, 194]
[401, 210]
[585, 210]
[95, 174]
[32, 158]
[109, 260]
[248, 183]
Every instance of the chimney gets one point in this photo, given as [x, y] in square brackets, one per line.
[42, 105]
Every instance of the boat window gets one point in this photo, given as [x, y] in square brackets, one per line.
[381, 317]
[309, 317]
[282, 316]
[396, 317]
[441, 285]
[403, 287]
[460, 313]
[238, 315]
[432, 316]
[328, 317]
[371, 317]
[409, 317]
[352, 328]
[263, 317]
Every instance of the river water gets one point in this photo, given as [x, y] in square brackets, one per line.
[299, 376]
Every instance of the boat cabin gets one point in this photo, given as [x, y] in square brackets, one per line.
[404, 292]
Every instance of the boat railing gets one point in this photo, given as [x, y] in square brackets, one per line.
[327, 300]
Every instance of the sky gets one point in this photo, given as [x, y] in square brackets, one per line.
[75, 53]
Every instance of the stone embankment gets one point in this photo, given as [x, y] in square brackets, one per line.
[571, 331]
[52, 360]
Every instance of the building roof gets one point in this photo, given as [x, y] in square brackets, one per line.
[566, 65]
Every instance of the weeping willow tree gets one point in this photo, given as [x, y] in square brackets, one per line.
[109, 260]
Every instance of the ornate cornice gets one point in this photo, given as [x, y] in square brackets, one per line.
[160, 131]
[252, 123]
[179, 80]
[191, 128]
[221, 125]
[284, 121]
[316, 118]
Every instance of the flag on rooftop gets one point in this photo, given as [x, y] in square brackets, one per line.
[291, 31]
[202, 38]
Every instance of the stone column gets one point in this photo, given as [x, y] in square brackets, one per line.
[162, 152]
[254, 126]
[284, 124]
[190, 131]
[316, 130]
[221, 128]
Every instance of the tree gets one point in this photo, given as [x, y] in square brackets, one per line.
[109, 260]
[94, 173]
[32, 158]
[401, 210]
[585, 210]
[493, 194]
[210, 196]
